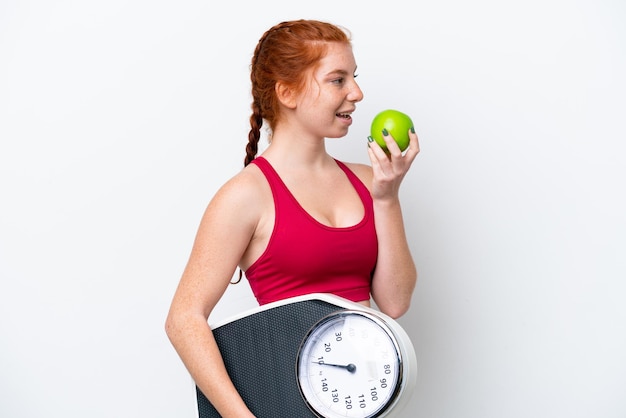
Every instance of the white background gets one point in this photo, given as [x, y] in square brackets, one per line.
[119, 120]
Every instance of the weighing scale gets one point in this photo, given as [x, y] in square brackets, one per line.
[317, 356]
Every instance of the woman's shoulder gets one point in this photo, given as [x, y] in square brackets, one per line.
[362, 171]
[244, 193]
[248, 184]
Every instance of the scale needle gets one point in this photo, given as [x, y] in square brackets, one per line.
[349, 367]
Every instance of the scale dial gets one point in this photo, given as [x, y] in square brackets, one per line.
[350, 366]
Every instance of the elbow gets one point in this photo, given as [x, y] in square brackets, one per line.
[398, 302]
[397, 310]
[182, 325]
[169, 326]
[172, 326]
[394, 307]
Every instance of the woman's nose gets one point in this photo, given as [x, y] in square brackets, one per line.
[356, 94]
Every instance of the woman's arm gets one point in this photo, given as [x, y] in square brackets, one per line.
[395, 276]
[225, 231]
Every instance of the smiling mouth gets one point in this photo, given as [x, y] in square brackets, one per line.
[344, 115]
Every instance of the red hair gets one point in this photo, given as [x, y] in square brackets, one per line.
[284, 53]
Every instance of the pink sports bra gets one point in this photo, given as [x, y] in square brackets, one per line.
[305, 256]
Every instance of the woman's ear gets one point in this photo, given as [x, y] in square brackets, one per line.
[286, 95]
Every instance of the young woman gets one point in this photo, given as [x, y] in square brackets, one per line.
[296, 220]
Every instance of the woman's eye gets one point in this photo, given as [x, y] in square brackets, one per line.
[338, 81]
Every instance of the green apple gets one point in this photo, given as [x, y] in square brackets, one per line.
[396, 123]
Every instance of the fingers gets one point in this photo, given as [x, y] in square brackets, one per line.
[414, 146]
[390, 164]
[375, 151]
[392, 151]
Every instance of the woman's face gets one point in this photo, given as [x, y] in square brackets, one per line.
[325, 106]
